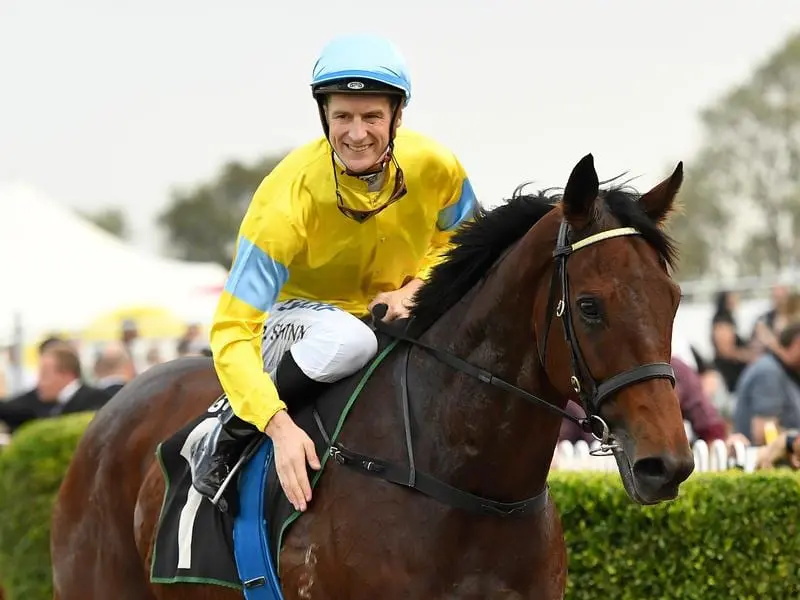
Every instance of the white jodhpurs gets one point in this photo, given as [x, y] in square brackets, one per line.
[326, 342]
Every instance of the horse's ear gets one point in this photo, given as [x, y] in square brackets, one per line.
[581, 193]
[658, 202]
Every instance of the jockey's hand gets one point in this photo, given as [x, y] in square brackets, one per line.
[398, 302]
[292, 448]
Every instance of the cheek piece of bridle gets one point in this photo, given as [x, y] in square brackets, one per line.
[591, 394]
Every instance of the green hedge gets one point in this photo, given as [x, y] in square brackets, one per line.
[31, 470]
[728, 536]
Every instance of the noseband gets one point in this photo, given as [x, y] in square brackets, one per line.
[591, 393]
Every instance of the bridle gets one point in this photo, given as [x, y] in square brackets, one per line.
[591, 393]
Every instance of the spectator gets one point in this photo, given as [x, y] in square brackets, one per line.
[784, 449]
[114, 368]
[192, 342]
[731, 352]
[569, 430]
[182, 348]
[767, 329]
[769, 390]
[776, 318]
[713, 386]
[153, 357]
[60, 383]
[696, 407]
[130, 332]
[28, 405]
[130, 339]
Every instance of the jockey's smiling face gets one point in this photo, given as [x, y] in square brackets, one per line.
[359, 128]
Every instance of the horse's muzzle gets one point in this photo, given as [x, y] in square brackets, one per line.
[658, 478]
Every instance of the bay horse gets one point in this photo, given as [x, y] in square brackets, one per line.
[540, 299]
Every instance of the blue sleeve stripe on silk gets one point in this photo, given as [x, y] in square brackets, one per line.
[255, 278]
[452, 216]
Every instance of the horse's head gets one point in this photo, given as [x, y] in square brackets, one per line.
[612, 270]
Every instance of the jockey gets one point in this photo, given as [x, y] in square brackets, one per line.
[355, 218]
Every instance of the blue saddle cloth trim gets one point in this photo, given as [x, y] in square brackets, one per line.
[250, 530]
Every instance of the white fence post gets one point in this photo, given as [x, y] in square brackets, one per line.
[713, 458]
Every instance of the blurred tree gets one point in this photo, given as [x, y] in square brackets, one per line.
[742, 200]
[696, 224]
[112, 220]
[202, 223]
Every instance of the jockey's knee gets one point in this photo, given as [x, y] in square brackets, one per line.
[360, 346]
[343, 346]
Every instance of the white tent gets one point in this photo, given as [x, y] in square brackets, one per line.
[60, 272]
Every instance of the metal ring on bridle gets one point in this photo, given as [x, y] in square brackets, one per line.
[576, 384]
[608, 445]
[606, 437]
[560, 308]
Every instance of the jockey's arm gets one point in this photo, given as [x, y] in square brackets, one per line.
[458, 206]
[271, 234]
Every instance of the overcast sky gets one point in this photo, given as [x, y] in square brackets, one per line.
[113, 103]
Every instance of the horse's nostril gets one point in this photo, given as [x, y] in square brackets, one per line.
[653, 468]
[664, 471]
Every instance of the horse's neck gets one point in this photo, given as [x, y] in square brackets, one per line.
[488, 440]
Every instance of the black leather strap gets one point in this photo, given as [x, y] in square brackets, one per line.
[430, 486]
[405, 408]
[468, 368]
[631, 376]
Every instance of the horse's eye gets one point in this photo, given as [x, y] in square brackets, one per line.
[589, 308]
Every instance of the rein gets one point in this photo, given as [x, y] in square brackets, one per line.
[591, 395]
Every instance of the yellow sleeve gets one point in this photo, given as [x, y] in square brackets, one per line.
[270, 236]
[459, 207]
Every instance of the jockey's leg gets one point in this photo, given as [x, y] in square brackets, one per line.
[306, 345]
[214, 457]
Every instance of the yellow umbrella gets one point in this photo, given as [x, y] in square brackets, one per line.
[151, 322]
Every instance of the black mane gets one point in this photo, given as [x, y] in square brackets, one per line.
[481, 242]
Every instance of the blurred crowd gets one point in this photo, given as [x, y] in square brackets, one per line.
[63, 383]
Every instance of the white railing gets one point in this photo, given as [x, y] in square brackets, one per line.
[707, 457]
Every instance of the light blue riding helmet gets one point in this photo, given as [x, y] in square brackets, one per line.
[361, 64]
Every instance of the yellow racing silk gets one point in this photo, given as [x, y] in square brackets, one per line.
[294, 242]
